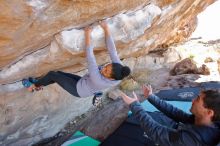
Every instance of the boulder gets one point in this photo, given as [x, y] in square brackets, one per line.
[185, 66]
[37, 36]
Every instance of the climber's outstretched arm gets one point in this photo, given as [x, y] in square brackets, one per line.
[110, 43]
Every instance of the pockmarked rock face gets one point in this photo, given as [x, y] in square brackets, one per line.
[37, 36]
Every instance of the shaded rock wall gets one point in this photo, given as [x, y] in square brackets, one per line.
[37, 36]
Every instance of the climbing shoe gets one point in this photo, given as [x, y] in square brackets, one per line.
[27, 84]
[34, 80]
[97, 99]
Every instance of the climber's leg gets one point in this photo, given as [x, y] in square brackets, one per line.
[66, 81]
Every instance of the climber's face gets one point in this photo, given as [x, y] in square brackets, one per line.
[106, 71]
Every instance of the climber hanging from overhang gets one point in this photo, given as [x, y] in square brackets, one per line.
[97, 78]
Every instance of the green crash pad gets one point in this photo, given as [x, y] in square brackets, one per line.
[80, 139]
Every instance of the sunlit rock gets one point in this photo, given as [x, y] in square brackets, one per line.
[204, 70]
[129, 84]
[27, 26]
[144, 27]
[186, 66]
